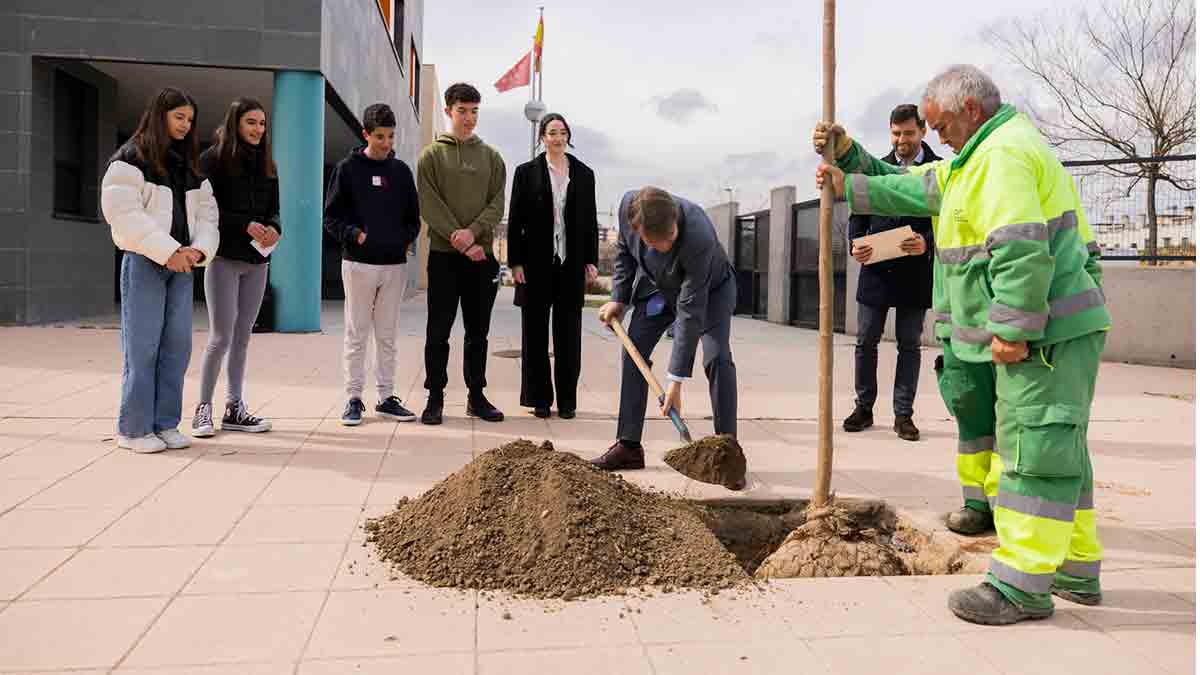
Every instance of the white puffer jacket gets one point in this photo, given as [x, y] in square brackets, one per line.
[140, 212]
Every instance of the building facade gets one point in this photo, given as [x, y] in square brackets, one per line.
[75, 77]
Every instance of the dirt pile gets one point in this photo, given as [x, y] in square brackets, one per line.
[718, 460]
[530, 520]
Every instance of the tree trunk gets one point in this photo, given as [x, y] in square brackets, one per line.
[821, 490]
[1152, 216]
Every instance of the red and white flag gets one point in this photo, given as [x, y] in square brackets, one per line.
[517, 76]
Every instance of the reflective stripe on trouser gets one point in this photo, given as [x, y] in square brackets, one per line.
[969, 391]
[1043, 514]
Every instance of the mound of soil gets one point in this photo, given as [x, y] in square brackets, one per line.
[718, 460]
[533, 521]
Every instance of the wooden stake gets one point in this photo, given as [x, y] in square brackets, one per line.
[825, 439]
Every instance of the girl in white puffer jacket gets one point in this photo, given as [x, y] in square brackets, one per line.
[164, 217]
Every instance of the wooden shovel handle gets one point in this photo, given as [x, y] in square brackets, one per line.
[634, 354]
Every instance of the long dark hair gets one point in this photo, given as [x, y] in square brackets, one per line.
[546, 120]
[152, 140]
[228, 141]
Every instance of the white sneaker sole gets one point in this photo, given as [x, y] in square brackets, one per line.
[398, 418]
[203, 432]
[351, 423]
[126, 444]
[250, 429]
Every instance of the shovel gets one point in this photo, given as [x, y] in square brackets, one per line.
[684, 434]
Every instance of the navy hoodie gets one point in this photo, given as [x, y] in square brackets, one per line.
[378, 197]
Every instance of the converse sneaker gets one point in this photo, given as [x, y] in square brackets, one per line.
[391, 408]
[202, 423]
[142, 444]
[173, 439]
[238, 418]
[352, 415]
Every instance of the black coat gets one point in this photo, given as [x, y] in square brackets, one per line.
[249, 196]
[901, 282]
[531, 232]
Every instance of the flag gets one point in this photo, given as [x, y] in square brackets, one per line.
[537, 46]
[517, 76]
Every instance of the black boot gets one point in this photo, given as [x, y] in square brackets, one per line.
[985, 604]
[433, 408]
[479, 406]
[968, 521]
[862, 418]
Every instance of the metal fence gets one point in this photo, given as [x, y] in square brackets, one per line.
[1115, 196]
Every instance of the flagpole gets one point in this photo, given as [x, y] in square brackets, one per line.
[541, 15]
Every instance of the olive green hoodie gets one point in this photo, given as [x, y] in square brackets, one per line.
[460, 185]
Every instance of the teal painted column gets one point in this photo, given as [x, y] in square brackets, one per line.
[297, 127]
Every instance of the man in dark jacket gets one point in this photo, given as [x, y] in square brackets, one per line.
[904, 283]
[673, 271]
[372, 209]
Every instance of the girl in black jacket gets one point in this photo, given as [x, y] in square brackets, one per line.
[552, 249]
[244, 181]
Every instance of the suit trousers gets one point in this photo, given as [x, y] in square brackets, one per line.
[645, 332]
[537, 388]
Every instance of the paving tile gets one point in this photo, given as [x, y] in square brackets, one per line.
[235, 669]
[14, 491]
[902, 655]
[394, 621]
[361, 569]
[443, 664]
[1172, 648]
[689, 617]
[752, 657]
[854, 606]
[266, 524]
[122, 572]
[509, 623]
[261, 568]
[625, 660]
[21, 568]
[1040, 649]
[27, 528]
[173, 522]
[61, 634]
[217, 629]
[931, 593]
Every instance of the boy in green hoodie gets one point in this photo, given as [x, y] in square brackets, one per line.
[460, 184]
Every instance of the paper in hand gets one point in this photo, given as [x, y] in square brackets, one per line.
[886, 245]
[263, 250]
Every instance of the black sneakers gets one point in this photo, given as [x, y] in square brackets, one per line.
[352, 415]
[391, 408]
[861, 419]
[905, 428]
[479, 406]
[238, 418]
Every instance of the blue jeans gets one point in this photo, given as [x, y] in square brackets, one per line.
[910, 322]
[156, 338]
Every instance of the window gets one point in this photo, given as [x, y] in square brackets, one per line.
[1167, 242]
[75, 130]
[414, 78]
[398, 30]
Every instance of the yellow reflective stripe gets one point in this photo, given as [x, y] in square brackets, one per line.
[859, 201]
[1018, 318]
[1079, 302]
[1030, 583]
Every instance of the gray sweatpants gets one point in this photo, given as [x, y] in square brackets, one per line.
[373, 297]
[233, 291]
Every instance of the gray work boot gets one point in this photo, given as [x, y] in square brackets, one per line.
[1089, 599]
[986, 605]
[969, 521]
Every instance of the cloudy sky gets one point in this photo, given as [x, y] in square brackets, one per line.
[698, 96]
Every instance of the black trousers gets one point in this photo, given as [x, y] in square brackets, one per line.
[454, 280]
[910, 322]
[537, 391]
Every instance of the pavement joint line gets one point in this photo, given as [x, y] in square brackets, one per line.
[366, 501]
[191, 577]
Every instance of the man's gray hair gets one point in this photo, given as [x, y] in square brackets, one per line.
[951, 89]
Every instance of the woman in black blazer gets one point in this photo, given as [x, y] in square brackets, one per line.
[552, 249]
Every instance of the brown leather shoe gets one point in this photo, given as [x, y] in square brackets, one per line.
[905, 429]
[621, 457]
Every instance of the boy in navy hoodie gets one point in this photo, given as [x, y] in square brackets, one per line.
[371, 207]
